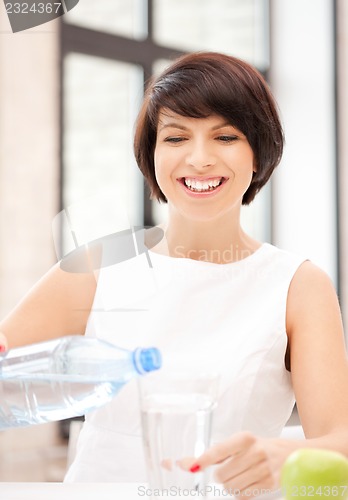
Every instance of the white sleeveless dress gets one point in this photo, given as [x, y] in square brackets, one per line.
[228, 318]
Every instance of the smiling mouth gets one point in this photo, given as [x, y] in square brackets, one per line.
[202, 186]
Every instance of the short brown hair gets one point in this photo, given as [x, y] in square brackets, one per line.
[200, 84]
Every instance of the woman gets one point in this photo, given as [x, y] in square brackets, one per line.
[208, 138]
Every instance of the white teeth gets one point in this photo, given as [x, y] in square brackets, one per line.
[196, 185]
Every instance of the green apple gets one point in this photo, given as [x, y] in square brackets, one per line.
[316, 474]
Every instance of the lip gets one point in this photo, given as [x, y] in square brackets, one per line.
[205, 194]
[202, 179]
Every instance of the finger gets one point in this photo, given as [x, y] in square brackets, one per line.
[262, 487]
[186, 463]
[167, 464]
[220, 452]
[3, 343]
[239, 464]
[259, 474]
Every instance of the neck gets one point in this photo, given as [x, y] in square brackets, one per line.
[220, 240]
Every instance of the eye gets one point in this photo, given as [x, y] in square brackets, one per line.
[227, 138]
[174, 140]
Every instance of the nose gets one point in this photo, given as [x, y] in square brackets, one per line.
[200, 155]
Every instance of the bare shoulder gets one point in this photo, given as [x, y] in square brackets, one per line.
[312, 298]
[309, 274]
[58, 304]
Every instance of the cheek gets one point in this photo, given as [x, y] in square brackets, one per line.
[164, 164]
[248, 162]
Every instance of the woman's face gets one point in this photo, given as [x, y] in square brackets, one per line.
[202, 165]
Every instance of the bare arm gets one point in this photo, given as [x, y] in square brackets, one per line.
[319, 363]
[319, 371]
[58, 305]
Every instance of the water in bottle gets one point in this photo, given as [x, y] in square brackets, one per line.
[65, 377]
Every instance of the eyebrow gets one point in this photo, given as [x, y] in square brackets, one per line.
[182, 127]
[173, 125]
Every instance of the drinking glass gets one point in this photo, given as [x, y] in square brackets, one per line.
[176, 411]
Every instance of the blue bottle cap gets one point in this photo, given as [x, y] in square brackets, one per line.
[147, 360]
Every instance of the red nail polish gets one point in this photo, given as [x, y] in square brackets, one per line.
[2, 348]
[195, 468]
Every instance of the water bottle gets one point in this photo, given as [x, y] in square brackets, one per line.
[65, 377]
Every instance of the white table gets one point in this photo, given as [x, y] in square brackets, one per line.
[71, 491]
[77, 491]
[95, 491]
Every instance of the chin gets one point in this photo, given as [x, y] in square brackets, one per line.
[201, 217]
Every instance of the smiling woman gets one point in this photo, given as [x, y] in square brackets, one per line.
[207, 139]
[204, 84]
[202, 159]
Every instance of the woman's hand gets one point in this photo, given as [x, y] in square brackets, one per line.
[3, 343]
[248, 464]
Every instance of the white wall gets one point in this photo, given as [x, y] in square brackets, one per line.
[302, 79]
[29, 156]
[29, 173]
[342, 29]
